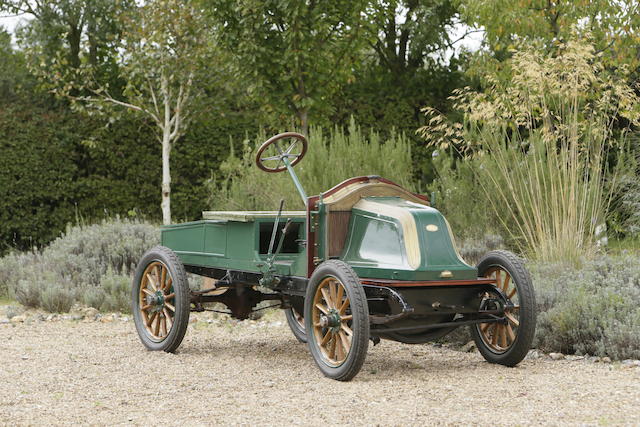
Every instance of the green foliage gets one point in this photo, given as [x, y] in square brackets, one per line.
[598, 314]
[37, 181]
[459, 196]
[611, 24]
[542, 140]
[331, 159]
[56, 298]
[91, 264]
[305, 50]
[117, 289]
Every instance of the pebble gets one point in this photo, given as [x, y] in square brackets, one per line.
[469, 347]
[631, 363]
[556, 356]
[606, 359]
[4, 321]
[533, 355]
[19, 319]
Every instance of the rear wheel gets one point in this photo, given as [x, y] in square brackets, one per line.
[296, 324]
[507, 343]
[160, 300]
[337, 320]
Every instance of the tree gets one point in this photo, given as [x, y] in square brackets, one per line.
[296, 54]
[159, 58]
[408, 31]
[611, 24]
[70, 33]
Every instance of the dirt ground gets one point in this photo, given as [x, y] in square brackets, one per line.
[72, 372]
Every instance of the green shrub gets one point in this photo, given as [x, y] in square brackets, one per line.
[592, 310]
[91, 264]
[56, 298]
[331, 158]
[117, 289]
[28, 293]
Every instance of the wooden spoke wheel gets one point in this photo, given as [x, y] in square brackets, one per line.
[332, 321]
[160, 296]
[506, 342]
[337, 320]
[295, 320]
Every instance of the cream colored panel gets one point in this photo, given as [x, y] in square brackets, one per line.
[345, 198]
[408, 223]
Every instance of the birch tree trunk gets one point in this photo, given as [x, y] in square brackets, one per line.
[166, 151]
[166, 178]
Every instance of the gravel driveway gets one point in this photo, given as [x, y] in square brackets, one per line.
[72, 372]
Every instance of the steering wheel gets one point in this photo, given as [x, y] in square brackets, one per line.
[271, 155]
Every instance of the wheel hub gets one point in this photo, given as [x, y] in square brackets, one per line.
[156, 301]
[331, 320]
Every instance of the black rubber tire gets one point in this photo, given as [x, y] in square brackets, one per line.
[360, 322]
[297, 329]
[182, 299]
[527, 314]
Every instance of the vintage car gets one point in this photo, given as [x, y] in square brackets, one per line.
[365, 260]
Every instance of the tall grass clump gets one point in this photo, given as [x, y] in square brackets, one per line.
[543, 144]
[90, 264]
[331, 158]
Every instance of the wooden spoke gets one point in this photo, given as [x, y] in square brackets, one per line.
[146, 307]
[151, 318]
[339, 347]
[339, 295]
[344, 306]
[163, 278]
[512, 319]
[497, 276]
[494, 334]
[333, 292]
[156, 330]
[151, 282]
[346, 341]
[163, 325]
[346, 318]
[325, 339]
[507, 279]
[512, 293]
[168, 317]
[510, 333]
[503, 336]
[327, 297]
[332, 347]
[170, 296]
[169, 283]
[347, 330]
[170, 307]
[322, 308]
[484, 326]
[147, 291]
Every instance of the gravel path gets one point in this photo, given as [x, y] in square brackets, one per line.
[71, 372]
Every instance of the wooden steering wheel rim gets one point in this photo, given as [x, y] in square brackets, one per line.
[272, 140]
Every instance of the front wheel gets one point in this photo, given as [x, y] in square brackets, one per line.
[161, 304]
[507, 343]
[337, 320]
